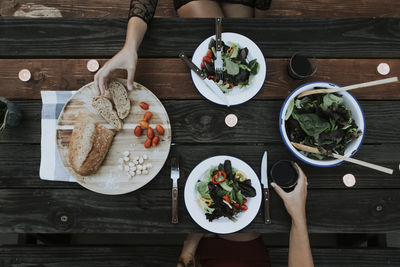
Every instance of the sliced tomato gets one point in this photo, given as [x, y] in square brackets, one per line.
[203, 65]
[209, 53]
[244, 207]
[207, 59]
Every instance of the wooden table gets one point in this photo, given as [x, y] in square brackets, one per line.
[56, 52]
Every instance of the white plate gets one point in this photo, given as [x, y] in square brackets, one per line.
[236, 96]
[221, 225]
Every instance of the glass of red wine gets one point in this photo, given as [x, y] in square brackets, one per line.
[302, 66]
[284, 174]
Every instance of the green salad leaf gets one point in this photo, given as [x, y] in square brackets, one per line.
[312, 124]
[232, 68]
[254, 67]
[202, 188]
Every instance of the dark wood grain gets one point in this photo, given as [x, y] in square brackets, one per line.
[148, 211]
[170, 78]
[277, 37]
[82, 256]
[201, 121]
[165, 8]
[19, 165]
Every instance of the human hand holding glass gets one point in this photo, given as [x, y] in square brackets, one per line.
[295, 201]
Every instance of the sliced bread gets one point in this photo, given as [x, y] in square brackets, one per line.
[104, 107]
[120, 98]
[89, 145]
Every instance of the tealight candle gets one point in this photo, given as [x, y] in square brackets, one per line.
[24, 75]
[349, 180]
[93, 65]
[383, 69]
[231, 120]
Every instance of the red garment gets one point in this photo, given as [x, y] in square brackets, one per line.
[218, 252]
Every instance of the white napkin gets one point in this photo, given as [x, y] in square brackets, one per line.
[51, 167]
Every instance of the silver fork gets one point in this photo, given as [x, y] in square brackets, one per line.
[218, 65]
[174, 177]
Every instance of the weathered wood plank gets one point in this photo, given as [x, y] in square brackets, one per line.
[277, 37]
[148, 211]
[201, 121]
[82, 256]
[85, 9]
[279, 8]
[170, 78]
[19, 165]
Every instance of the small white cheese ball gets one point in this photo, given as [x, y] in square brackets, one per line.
[149, 165]
[126, 153]
[126, 159]
[141, 160]
[138, 172]
[145, 172]
[135, 162]
[133, 168]
[139, 167]
[144, 167]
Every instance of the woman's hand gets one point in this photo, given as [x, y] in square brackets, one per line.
[295, 201]
[125, 59]
[187, 257]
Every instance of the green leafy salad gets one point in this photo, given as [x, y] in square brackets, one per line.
[223, 192]
[322, 121]
[237, 69]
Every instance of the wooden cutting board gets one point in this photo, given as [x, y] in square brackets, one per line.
[110, 179]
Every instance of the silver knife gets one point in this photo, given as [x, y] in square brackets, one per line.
[174, 177]
[214, 88]
[264, 181]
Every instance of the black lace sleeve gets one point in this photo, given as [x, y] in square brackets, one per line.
[143, 9]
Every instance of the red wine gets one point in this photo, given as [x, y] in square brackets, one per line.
[301, 65]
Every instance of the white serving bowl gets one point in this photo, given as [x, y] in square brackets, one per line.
[349, 101]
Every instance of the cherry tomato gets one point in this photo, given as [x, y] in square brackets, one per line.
[207, 59]
[236, 205]
[160, 129]
[144, 105]
[155, 140]
[138, 131]
[148, 115]
[243, 207]
[209, 53]
[244, 200]
[150, 133]
[147, 144]
[144, 124]
[203, 65]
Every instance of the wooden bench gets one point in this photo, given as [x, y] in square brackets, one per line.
[164, 256]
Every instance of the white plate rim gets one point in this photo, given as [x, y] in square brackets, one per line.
[222, 225]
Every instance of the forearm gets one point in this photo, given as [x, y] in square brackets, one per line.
[299, 245]
[135, 33]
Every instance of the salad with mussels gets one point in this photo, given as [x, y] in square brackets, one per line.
[322, 121]
[237, 69]
[224, 191]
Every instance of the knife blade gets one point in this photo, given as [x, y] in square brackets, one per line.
[174, 194]
[214, 88]
[264, 181]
